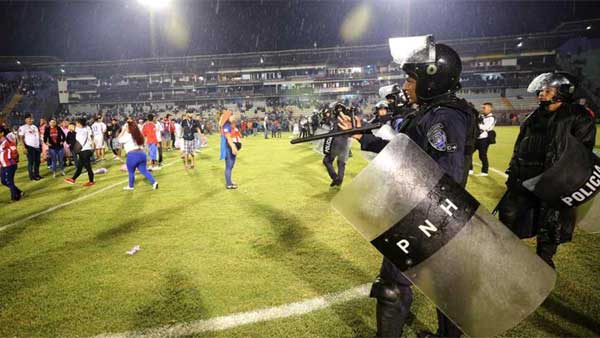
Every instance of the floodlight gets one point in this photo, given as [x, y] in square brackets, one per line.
[155, 4]
[588, 28]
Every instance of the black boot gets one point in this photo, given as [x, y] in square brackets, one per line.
[393, 307]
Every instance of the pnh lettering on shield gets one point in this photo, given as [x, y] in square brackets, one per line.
[428, 227]
[586, 191]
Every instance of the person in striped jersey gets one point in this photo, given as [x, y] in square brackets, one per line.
[9, 157]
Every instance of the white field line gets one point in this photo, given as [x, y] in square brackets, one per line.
[236, 319]
[501, 173]
[243, 318]
[62, 205]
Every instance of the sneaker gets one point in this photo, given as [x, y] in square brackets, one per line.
[231, 186]
[483, 174]
[88, 184]
[471, 172]
[155, 186]
[69, 180]
[53, 175]
[157, 168]
[62, 173]
[127, 188]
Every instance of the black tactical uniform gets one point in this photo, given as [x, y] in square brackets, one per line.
[445, 128]
[541, 139]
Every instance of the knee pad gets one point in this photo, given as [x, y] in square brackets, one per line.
[391, 293]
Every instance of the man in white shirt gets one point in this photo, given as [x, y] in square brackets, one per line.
[29, 135]
[487, 122]
[99, 129]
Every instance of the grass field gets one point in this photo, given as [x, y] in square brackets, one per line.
[207, 251]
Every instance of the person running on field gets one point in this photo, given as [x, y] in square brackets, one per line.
[133, 143]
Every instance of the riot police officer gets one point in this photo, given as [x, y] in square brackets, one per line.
[381, 111]
[444, 126]
[541, 139]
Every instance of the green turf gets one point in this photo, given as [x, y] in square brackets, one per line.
[207, 251]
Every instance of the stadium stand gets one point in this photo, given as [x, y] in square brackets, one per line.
[495, 69]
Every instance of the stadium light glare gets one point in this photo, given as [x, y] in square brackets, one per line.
[18, 62]
[155, 4]
[588, 28]
[520, 44]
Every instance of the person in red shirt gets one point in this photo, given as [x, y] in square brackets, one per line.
[9, 157]
[149, 132]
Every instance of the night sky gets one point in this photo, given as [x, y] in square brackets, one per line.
[106, 30]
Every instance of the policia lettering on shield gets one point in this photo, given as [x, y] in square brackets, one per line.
[444, 126]
[553, 169]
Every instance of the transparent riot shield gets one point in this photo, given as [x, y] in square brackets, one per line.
[385, 132]
[573, 181]
[470, 265]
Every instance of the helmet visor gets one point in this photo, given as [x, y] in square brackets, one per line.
[414, 49]
[546, 80]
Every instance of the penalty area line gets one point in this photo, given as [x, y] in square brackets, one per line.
[251, 317]
[62, 205]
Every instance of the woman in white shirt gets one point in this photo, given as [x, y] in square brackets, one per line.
[83, 147]
[133, 143]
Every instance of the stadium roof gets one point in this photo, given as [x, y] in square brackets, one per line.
[355, 55]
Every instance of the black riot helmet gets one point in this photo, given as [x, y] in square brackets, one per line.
[396, 96]
[438, 78]
[564, 82]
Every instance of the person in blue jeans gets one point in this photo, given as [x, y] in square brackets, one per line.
[230, 144]
[9, 157]
[133, 143]
[54, 139]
